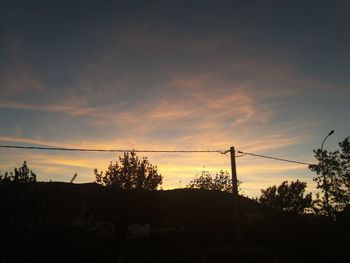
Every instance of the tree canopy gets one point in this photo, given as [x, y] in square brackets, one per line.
[287, 197]
[20, 175]
[220, 182]
[333, 178]
[130, 172]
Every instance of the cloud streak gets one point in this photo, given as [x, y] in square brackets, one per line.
[173, 77]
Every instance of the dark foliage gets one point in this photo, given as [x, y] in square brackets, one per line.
[130, 173]
[221, 182]
[20, 175]
[192, 225]
[289, 198]
[333, 178]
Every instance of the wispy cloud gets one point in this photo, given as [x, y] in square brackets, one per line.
[73, 108]
[165, 101]
[29, 141]
[18, 77]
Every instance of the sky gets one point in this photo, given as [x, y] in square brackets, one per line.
[267, 77]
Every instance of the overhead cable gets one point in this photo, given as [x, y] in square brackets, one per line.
[107, 150]
[148, 151]
[275, 158]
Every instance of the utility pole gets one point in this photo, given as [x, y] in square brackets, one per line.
[237, 230]
[234, 173]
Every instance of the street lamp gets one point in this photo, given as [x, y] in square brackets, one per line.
[329, 134]
[325, 185]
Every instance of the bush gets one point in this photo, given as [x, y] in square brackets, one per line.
[130, 173]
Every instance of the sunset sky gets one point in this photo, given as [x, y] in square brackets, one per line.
[268, 77]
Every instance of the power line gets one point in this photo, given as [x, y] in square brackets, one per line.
[108, 150]
[274, 158]
[148, 151]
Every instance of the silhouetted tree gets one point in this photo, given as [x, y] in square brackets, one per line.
[289, 198]
[20, 175]
[333, 170]
[221, 182]
[130, 173]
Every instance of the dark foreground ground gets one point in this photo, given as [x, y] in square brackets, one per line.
[58, 222]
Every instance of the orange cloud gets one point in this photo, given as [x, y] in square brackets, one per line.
[198, 110]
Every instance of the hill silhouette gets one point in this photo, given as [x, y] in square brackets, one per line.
[60, 221]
